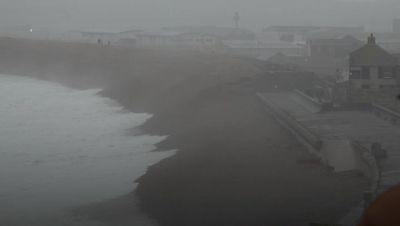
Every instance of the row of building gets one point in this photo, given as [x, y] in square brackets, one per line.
[357, 72]
[372, 76]
[291, 41]
[298, 41]
[365, 75]
[361, 72]
[200, 38]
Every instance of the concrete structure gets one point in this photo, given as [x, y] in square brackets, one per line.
[157, 39]
[302, 33]
[324, 66]
[333, 47]
[390, 41]
[396, 25]
[199, 41]
[263, 50]
[328, 135]
[222, 33]
[236, 19]
[372, 73]
[348, 139]
[175, 39]
[123, 38]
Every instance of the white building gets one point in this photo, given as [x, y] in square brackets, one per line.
[174, 39]
[263, 50]
[157, 39]
[198, 41]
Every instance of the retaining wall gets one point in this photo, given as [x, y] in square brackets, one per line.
[294, 126]
[385, 113]
[367, 164]
[309, 99]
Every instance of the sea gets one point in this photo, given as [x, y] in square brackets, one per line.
[62, 148]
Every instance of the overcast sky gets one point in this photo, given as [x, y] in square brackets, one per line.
[254, 13]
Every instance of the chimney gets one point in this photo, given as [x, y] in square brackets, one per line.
[371, 39]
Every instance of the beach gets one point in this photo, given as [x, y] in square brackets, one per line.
[235, 165]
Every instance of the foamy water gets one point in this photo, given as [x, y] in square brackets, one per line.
[61, 148]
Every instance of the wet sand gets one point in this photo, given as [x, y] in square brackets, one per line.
[235, 165]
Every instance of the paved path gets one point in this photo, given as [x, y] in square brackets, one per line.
[360, 126]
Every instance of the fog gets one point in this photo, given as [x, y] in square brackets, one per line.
[255, 13]
[199, 113]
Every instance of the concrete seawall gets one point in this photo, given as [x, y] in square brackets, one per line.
[385, 113]
[312, 141]
[367, 164]
[338, 151]
[309, 99]
[325, 149]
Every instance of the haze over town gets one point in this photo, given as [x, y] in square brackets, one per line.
[58, 14]
[199, 113]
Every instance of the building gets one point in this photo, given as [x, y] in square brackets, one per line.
[396, 25]
[198, 41]
[262, 50]
[124, 38]
[333, 47]
[301, 33]
[389, 41]
[157, 39]
[323, 66]
[175, 39]
[222, 33]
[373, 74]
[98, 36]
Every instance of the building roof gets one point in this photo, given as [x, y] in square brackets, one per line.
[324, 65]
[226, 33]
[343, 40]
[109, 31]
[159, 33]
[253, 44]
[372, 54]
[291, 28]
[306, 29]
[380, 36]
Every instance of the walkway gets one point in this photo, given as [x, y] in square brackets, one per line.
[340, 127]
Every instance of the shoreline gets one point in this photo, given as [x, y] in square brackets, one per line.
[235, 165]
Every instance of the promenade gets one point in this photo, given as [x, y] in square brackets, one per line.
[337, 131]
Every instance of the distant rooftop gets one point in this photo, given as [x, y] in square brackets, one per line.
[253, 44]
[220, 32]
[109, 31]
[372, 54]
[343, 40]
[304, 29]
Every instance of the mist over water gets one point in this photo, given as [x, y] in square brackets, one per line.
[61, 148]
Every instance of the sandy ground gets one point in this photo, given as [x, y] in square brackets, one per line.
[236, 166]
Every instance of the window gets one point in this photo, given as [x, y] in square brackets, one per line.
[359, 73]
[387, 86]
[365, 72]
[386, 72]
[365, 86]
[355, 72]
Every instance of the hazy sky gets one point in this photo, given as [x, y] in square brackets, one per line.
[254, 13]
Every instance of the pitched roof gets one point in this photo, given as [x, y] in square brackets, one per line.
[372, 54]
[323, 65]
[342, 40]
